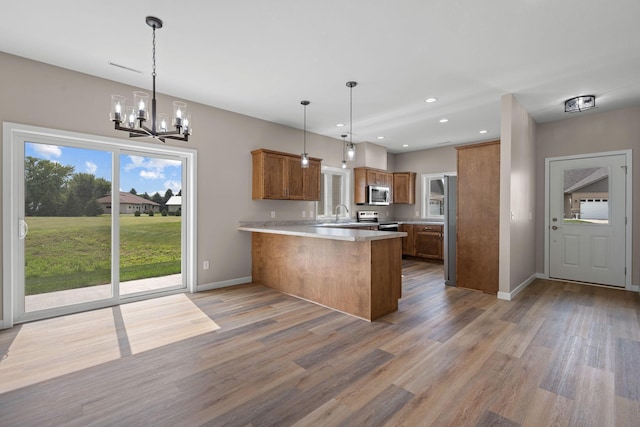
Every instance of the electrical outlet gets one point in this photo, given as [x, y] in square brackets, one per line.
[273, 214]
[205, 265]
[310, 214]
[304, 214]
[417, 213]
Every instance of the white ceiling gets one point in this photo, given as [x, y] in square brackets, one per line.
[261, 58]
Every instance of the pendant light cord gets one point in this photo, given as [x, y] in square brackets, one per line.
[304, 135]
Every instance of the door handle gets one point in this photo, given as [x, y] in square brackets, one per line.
[23, 229]
[555, 227]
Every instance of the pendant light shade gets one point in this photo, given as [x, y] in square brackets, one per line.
[304, 157]
[351, 148]
[344, 148]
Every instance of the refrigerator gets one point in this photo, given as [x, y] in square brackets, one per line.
[450, 209]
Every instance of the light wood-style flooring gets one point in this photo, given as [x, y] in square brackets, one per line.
[560, 354]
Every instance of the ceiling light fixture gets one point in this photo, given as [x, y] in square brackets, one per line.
[340, 125]
[381, 137]
[304, 157]
[483, 131]
[344, 147]
[405, 145]
[351, 149]
[444, 120]
[579, 103]
[134, 117]
[430, 100]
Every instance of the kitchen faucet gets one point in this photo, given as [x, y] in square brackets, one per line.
[345, 208]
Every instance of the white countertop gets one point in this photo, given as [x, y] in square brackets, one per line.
[325, 232]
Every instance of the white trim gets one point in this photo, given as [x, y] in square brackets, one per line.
[508, 296]
[14, 132]
[426, 190]
[345, 190]
[225, 283]
[629, 208]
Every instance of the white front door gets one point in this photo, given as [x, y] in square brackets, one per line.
[587, 219]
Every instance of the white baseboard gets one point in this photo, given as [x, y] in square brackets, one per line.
[224, 284]
[508, 296]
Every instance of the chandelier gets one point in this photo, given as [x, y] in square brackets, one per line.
[132, 119]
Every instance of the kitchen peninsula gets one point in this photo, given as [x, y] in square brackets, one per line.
[358, 272]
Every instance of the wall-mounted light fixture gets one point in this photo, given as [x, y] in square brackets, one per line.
[579, 103]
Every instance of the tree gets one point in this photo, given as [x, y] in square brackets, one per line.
[157, 198]
[84, 189]
[179, 193]
[167, 195]
[45, 186]
[133, 191]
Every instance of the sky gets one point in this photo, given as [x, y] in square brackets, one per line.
[145, 174]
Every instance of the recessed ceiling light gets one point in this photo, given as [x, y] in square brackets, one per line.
[483, 131]
[430, 100]
[381, 137]
[444, 120]
[405, 145]
[340, 125]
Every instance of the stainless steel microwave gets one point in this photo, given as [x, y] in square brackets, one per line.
[378, 195]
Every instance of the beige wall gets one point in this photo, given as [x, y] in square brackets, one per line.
[589, 132]
[434, 160]
[517, 196]
[41, 95]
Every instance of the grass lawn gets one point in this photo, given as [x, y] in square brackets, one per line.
[74, 252]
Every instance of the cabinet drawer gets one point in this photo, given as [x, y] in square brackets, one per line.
[433, 228]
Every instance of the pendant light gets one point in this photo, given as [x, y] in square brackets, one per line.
[304, 157]
[351, 149]
[132, 119]
[344, 147]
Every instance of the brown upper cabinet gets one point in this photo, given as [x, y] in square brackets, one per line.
[280, 176]
[404, 187]
[362, 177]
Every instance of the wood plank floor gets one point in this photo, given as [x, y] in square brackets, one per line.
[559, 354]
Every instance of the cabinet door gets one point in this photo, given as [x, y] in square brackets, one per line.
[404, 184]
[295, 179]
[311, 181]
[428, 241]
[274, 176]
[478, 217]
[359, 186]
[408, 245]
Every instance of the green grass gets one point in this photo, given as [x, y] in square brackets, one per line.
[66, 253]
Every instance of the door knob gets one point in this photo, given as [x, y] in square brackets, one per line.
[555, 227]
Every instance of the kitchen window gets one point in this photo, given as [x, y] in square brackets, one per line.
[334, 190]
[433, 195]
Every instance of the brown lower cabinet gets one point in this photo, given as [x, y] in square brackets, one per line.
[423, 241]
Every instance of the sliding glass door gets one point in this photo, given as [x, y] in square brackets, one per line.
[67, 239]
[93, 224]
[150, 213]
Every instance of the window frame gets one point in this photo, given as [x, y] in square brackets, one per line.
[425, 180]
[345, 193]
